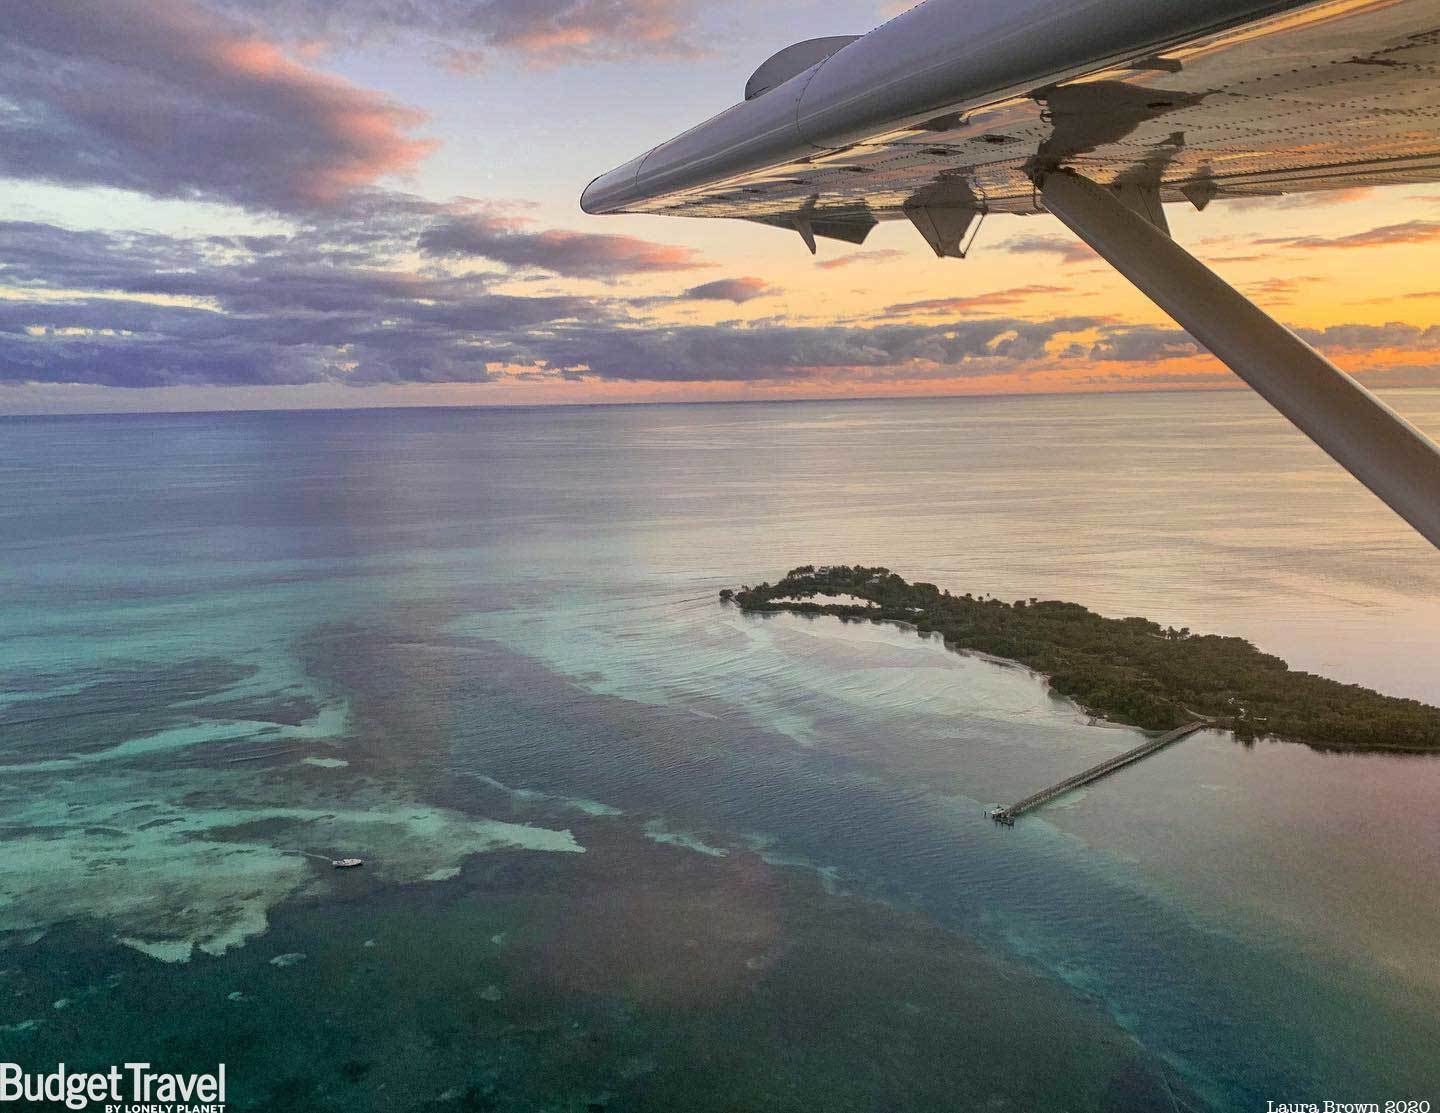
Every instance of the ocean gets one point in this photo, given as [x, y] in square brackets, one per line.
[627, 848]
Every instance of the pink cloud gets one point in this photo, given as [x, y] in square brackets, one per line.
[166, 98]
[1407, 232]
[503, 237]
[467, 33]
[730, 289]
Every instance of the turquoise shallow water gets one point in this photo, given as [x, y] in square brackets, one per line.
[628, 848]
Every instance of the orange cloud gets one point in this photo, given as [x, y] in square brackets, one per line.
[858, 257]
[1278, 291]
[973, 301]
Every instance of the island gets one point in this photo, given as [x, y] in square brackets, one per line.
[1125, 670]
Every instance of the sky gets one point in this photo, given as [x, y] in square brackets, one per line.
[240, 204]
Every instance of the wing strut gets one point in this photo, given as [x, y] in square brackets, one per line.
[1368, 439]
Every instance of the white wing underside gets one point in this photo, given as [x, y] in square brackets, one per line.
[1312, 97]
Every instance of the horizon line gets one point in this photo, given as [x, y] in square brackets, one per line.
[1165, 390]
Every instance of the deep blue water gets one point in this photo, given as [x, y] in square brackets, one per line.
[629, 849]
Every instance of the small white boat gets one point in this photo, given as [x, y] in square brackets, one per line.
[346, 863]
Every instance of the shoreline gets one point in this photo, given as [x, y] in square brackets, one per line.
[979, 655]
[1126, 673]
[1098, 721]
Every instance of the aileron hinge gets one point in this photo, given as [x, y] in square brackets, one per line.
[945, 226]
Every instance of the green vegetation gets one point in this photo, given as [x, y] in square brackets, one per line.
[1129, 670]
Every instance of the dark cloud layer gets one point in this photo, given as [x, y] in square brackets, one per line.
[1143, 344]
[339, 301]
[1369, 338]
[280, 310]
[335, 302]
[736, 353]
[1151, 344]
[1068, 250]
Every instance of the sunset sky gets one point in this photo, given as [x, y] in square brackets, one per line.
[291, 203]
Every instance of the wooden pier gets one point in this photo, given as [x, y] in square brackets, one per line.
[1008, 815]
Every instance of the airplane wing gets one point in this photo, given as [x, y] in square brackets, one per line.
[1098, 111]
[957, 104]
